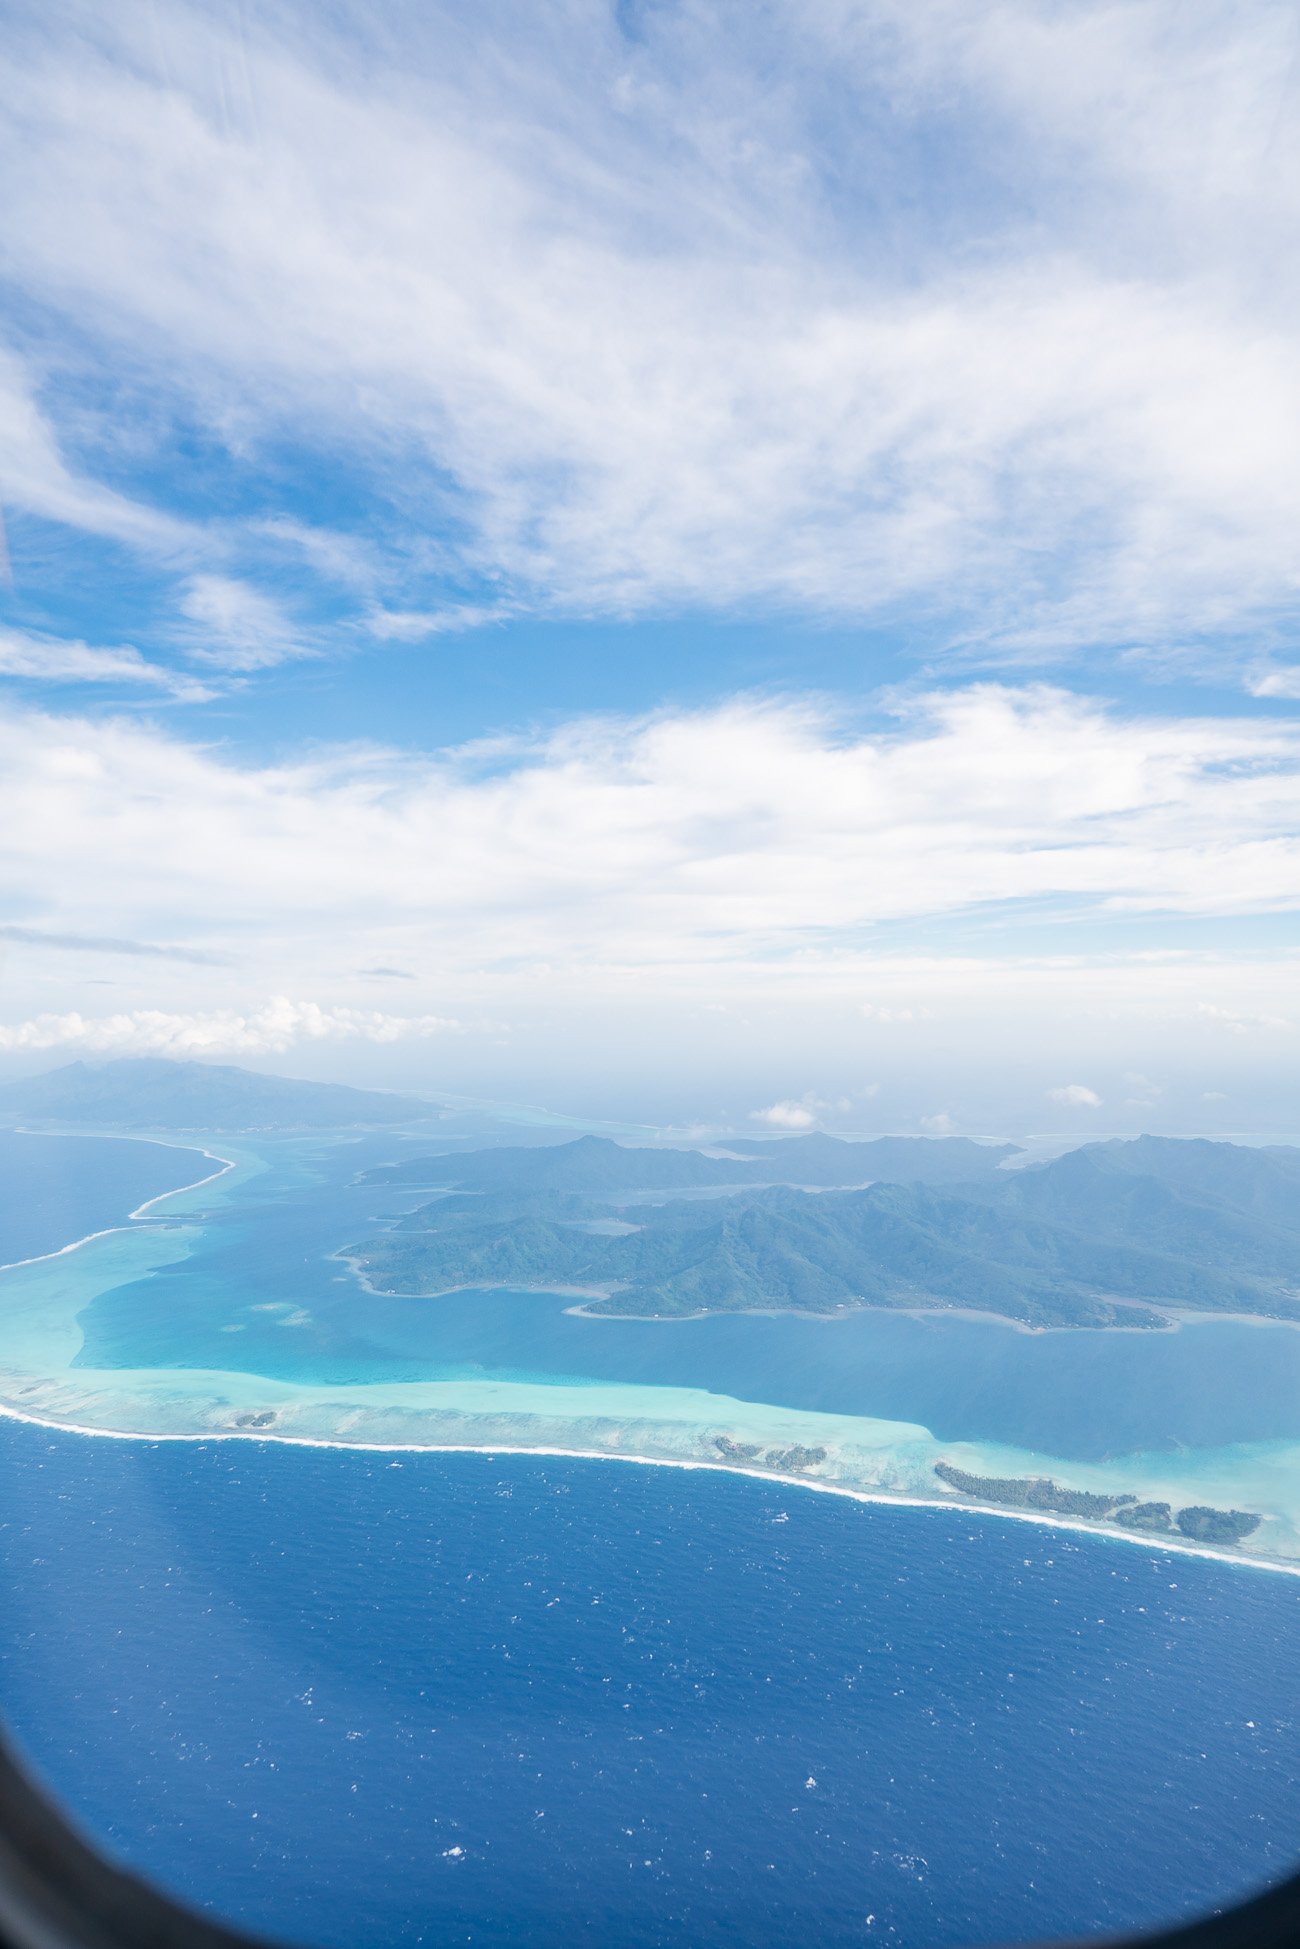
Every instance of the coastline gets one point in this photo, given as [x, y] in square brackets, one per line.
[354, 1266]
[869, 1460]
[1173, 1320]
[872, 1497]
[226, 1164]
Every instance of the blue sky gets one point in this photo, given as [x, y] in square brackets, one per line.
[746, 555]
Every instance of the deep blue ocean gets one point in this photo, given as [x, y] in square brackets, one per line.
[365, 1699]
[57, 1189]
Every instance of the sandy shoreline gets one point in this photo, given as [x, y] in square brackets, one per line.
[1172, 1320]
[354, 1266]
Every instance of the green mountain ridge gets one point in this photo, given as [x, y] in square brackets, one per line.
[1104, 1236]
[596, 1166]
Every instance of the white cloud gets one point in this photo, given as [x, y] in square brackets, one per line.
[52, 659]
[1075, 1096]
[238, 627]
[729, 357]
[758, 832]
[336, 557]
[805, 1112]
[941, 1124]
[1239, 1022]
[277, 1026]
[693, 894]
[1277, 683]
[35, 477]
[786, 1116]
[413, 625]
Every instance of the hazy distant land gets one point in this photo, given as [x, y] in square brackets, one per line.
[144, 1093]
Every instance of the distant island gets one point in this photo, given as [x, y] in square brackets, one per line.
[1110, 1235]
[155, 1093]
[596, 1167]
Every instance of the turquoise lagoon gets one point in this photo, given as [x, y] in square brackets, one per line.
[226, 1310]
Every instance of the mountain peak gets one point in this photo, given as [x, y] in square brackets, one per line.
[159, 1093]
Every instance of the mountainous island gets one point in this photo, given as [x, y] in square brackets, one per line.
[157, 1093]
[1112, 1234]
[596, 1167]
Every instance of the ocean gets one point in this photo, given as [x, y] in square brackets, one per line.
[55, 1190]
[359, 1698]
[363, 1700]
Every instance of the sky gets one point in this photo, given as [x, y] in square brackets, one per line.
[715, 565]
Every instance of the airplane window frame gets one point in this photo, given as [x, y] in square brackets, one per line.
[57, 1891]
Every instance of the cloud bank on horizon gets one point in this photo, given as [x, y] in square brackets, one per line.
[325, 343]
[989, 867]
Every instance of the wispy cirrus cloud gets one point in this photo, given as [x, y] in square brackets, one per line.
[1030, 376]
[414, 625]
[36, 477]
[233, 626]
[43, 938]
[56, 660]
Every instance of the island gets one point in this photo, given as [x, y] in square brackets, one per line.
[1030, 1492]
[1114, 1235]
[1216, 1525]
[1198, 1523]
[597, 1167]
[1156, 1517]
[162, 1093]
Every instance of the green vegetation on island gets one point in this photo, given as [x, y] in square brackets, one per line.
[1216, 1525]
[1105, 1236]
[1153, 1516]
[795, 1460]
[1199, 1523]
[1029, 1492]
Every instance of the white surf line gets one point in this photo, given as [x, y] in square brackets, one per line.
[879, 1497]
[226, 1164]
